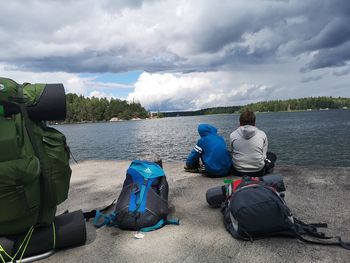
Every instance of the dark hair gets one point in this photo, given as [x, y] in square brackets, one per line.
[247, 117]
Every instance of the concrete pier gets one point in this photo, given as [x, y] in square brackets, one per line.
[313, 194]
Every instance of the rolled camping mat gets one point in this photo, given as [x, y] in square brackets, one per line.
[51, 105]
[274, 180]
[70, 231]
[7, 243]
[216, 196]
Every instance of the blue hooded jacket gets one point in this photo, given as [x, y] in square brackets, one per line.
[211, 148]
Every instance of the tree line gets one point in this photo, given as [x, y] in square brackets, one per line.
[313, 103]
[207, 111]
[81, 109]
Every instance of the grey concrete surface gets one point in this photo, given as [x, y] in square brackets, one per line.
[313, 194]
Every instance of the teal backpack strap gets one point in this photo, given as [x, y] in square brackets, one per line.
[174, 221]
[160, 224]
[142, 194]
[108, 219]
[92, 213]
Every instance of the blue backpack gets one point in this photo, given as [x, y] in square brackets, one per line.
[143, 202]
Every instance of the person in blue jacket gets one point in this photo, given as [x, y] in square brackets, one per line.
[210, 155]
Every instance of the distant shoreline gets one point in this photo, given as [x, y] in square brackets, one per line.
[86, 110]
[257, 112]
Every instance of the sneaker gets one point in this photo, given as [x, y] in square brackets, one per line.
[191, 170]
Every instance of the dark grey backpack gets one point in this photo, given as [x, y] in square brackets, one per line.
[256, 210]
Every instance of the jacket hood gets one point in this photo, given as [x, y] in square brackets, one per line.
[205, 129]
[247, 131]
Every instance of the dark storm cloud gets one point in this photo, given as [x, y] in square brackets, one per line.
[96, 62]
[324, 28]
[330, 57]
[334, 34]
[310, 78]
[193, 36]
[233, 21]
[329, 36]
[119, 5]
[342, 72]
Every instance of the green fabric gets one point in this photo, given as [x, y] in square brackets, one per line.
[8, 89]
[27, 93]
[228, 181]
[9, 140]
[32, 92]
[33, 180]
[2, 112]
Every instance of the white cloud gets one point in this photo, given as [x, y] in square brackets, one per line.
[195, 90]
[73, 83]
[179, 91]
[99, 94]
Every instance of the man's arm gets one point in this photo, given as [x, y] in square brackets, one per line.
[231, 142]
[265, 146]
[194, 156]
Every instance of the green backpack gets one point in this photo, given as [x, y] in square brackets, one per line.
[34, 162]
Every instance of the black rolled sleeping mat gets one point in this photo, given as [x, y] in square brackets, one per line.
[216, 196]
[7, 243]
[274, 180]
[70, 231]
[40, 242]
[51, 105]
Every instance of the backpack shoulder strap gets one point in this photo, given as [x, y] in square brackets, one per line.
[300, 229]
[108, 219]
[97, 214]
[160, 224]
[338, 241]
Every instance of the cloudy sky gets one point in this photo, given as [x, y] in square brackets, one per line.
[180, 54]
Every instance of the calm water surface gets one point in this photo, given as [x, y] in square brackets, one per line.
[311, 138]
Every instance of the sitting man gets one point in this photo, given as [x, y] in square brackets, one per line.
[249, 148]
[210, 156]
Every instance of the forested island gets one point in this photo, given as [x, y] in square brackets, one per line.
[208, 111]
[313, 103]
[84, 109]
[81, 109]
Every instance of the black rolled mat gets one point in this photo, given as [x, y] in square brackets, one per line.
[69, 231]
[51, 105]
[216, 196]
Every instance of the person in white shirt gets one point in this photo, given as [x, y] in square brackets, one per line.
[249, 148]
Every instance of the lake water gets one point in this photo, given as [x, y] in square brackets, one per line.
[311, 138]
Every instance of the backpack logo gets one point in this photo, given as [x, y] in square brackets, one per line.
[147, 170]
[2, 87]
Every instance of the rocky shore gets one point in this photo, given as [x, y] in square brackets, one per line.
[313, 194]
